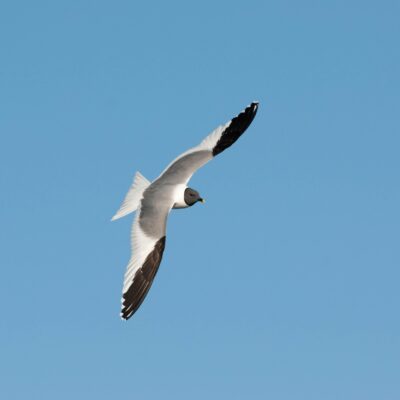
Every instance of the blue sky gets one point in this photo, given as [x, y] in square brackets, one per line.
[288, 285]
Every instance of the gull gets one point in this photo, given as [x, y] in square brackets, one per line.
[153, 202]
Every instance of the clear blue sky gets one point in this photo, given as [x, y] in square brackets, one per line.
[289, 288]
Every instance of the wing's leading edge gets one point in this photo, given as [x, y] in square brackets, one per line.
[183, 167]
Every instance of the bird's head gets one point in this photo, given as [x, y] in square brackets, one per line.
[192, 196]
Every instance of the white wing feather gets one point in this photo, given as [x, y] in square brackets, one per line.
[142, 246]
[207, 144]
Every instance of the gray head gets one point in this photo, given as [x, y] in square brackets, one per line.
[192, 196]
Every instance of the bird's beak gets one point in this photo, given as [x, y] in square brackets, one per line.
[202, 201]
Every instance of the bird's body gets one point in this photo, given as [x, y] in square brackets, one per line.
[154, 201]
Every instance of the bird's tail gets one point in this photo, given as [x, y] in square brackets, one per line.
[133, 197]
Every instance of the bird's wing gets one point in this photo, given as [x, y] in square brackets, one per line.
[183, 167]
[148, 243]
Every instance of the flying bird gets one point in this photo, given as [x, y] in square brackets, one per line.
[153, 202]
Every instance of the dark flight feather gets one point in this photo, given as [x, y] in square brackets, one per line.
[134, 296]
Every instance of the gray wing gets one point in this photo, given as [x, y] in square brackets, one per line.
[148, 243]
[184, 166]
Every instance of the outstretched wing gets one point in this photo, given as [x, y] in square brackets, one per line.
[183, 167]
[148, 231]
[148, 243]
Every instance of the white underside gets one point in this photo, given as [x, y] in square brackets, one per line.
[179, 196]
[142, 244]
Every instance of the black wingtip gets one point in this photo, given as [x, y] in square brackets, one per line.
[236, 128]
[254, 106]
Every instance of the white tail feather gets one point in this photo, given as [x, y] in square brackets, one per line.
[133, 197]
